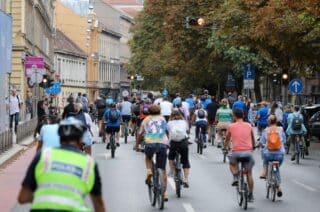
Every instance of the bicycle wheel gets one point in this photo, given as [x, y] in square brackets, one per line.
[297, 152]
[151, 192]
[161, 190]
[245, 195]
[274, 192]
[268, 187]
[224, 156]
[113, 147]
[239, 196]
[126, 134]
[178, 183]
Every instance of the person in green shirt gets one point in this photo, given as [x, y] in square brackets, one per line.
[223, 119]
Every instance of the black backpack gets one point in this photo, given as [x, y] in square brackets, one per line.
[101, 104]
[201, 114]
[113, 115]
[296, 123]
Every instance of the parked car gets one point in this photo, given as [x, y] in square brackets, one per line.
[311, 115]
[314, 125]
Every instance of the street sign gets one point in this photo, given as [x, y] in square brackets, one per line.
[296, 86]
[248, 72]
[139, 77]
[34, 64]
[248, 76]
[54, 89]
[165, 92]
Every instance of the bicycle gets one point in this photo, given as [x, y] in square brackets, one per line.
[200, 142]
[113, 145]
[299, 147]
[178, 174]
[272, 182]
[156, 188]
[242, 188]
[212, 134]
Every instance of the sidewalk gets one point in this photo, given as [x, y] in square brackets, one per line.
[13, 166]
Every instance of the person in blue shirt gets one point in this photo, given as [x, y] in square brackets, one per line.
[262, 117]
[113, 122]
[287, 112]
[272, 155]
[109, 101]
[190, 101]
[294, 132]
[240, 104]
[176, 101]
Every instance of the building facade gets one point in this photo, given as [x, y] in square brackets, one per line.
[32, 36]
[70, 64]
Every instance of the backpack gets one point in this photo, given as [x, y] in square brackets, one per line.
[201, 114]
[101, 104]
[113, 115]
[273, 139]
[136, 109]
[177, 133]
[296, 123]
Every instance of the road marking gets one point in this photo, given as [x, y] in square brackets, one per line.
[188, 207]
[171, 183]
[309, 188]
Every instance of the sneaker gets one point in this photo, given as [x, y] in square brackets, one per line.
[293, 158]
[108, 146]
[166, 196]
[250, 197]
[149, 177]
[185, 184]
[235, 182]
[307, 152]
[118, 144]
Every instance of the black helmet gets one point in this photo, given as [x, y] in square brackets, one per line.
[71, 129]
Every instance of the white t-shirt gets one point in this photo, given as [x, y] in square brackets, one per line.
[125, 108]
[186, 108]
[158, 101]
[177, 130]
[88, 119]
[14, 104]
[197, 117]
[166, 108]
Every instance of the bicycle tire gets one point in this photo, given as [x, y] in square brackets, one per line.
[113, 147]
[151, 194]
[161, 190]
[268, 190]
[178, 184]
[274, 192]
[245, 196]
[126, 133]
[239, 195]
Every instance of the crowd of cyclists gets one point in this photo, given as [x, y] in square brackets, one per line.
[163, 123]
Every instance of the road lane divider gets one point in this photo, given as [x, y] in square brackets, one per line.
[172, 183]
[309, 188]
[188, 207]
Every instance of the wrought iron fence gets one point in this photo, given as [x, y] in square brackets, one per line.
[26, 129]
[5, 140]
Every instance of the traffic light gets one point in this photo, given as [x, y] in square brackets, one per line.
[132, 77]
[46, 81]
[195, 22]
[285, 77]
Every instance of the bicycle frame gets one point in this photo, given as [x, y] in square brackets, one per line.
[242, 188]
[178, 174]
[113, 145]
[156, 187]
[272, 181]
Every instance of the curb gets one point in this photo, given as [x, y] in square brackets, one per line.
[15, 151]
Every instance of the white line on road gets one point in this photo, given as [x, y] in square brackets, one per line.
[309, 188]
[188, 207]
[171, 183]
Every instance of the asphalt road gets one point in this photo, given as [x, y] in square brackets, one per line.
[210, 190]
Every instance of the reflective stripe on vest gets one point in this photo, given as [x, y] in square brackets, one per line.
[62, 187]
[59, 200]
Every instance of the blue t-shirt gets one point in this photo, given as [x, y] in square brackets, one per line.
[176, 101]
[263, 116]
[191, 102]
[110, 123]
[49, 136]
[206, 102]
[239, 105]
[109, 101]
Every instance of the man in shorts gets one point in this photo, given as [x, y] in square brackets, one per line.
[243, 143]
[153, 130]
[113, 119]
[126, 112]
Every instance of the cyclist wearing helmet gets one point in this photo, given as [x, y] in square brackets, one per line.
[113, 119]
[59, 179]
[223, 118]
